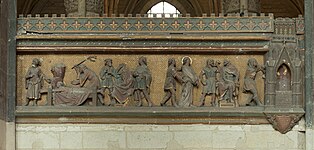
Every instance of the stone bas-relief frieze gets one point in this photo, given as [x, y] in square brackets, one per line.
[33, 83]
[219, 84]
[249, 81]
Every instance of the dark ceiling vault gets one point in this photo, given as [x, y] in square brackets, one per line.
[280, 8]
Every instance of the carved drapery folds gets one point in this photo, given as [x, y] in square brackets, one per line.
[211, 71]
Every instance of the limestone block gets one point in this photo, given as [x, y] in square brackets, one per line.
[227, 139]
[144, 140]
[25, 139]
[102, 127]
[104, 139]
[37, 140]
[160, 128]
[47, 140]
[24, 128]
[146, 128]
[49, 128]
[194, 139]
[197, 127]
[138, 128]
[229, 128]
[73, 128]
[71, 140]
[271, 140]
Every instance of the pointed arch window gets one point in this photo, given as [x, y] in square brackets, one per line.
[163, 8]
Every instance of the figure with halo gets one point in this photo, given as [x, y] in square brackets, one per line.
[189, 79]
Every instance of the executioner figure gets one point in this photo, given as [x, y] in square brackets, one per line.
[107, 75]
[87, 78]
[208, 79]
[142, 80]
[170, 84]
[33, 82]
[249, 82]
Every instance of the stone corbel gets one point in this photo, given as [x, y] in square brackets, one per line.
[284, 122]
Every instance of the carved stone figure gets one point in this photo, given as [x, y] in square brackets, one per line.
[58, 72]
[86, 77]
[283, 78]
[123, 85]
[170, 84]
[87, 84]
[249, 82]
[107, 74]
[142, 81]
[189, 79]
[208, 79]
[33, 82]
[228, 85]
[71, 96]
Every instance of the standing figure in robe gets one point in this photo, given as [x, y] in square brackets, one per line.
[107, 75]
[170, 84]
[189, 79]
[208, 80]
[123, 85]
[142, 81]
[33, 82]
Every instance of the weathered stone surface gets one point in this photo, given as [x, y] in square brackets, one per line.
[37, 140]
[156, 137]
[104, 139]
[139, 140]
[194, 139]
[71, 140]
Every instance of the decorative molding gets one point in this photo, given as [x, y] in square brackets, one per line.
[283, 122]
[235, 23]
[138, 115]
[300, 27]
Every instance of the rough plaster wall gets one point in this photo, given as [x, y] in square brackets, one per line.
[157, 137]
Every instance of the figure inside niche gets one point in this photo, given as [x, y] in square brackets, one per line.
[34, 82]
[208, 77]
[123, 85]
[170, 84]
[249, 82]
[189, 79]
[283, 78]
[228, 83]
[107, 74]
[142, 80]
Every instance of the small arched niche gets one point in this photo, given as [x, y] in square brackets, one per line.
[283, 78]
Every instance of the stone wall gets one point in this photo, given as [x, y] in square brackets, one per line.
[169, 137]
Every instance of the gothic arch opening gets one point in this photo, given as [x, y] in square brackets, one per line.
[163, 9]
[283, 78]
[153, 3]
